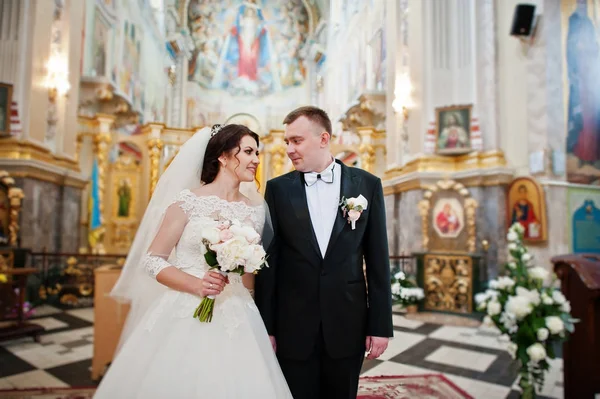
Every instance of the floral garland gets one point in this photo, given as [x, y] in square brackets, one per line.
[534, 318]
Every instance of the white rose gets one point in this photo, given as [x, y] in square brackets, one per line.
[533, 296]
[566, 307]
[555, 324]
[230, 254]
[517, 227]
[519, 305]
[211, 234]
[512, 265]
[546, 300]
[396, 289]
[356, 202]
[494, 308]
[512, 349]
[526, 257]
[558, 297]
[400, 276]
[255, 258]
[542, 334]
[512, 236]
[512, 246]
[536, 352]
[505, 283]
[247, 232]
[538, 273]
[481, 298]
[494, 284]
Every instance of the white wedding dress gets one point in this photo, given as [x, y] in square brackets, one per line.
[169, 354]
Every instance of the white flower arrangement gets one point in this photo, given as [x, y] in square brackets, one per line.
[231, 247]
[404, 291]
[532, 317]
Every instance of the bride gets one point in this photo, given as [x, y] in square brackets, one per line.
[164, 352]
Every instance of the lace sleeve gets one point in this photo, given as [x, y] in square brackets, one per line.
[165, 240]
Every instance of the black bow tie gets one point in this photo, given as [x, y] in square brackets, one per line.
[312, 177]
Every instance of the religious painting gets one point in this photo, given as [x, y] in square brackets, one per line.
[448, 217]
[124, 195]
[581, 66]
[129, 72]
[5, 104]
[248, 48]
[583, 220]
[453, 129]
[526, 205]
[99, 47]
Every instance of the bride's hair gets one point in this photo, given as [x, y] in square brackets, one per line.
[225, 139]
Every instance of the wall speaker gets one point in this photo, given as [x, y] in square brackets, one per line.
[523, 20]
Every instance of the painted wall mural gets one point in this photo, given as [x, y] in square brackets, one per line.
[247, 47]
[581, 48]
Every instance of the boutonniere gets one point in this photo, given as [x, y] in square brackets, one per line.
[353, 208]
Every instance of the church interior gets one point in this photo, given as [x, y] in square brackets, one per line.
[475, 114]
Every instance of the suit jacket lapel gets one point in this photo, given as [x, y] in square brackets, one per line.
[347, 189]
[297, 195]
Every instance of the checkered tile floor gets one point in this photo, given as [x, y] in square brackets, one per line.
[472, 358]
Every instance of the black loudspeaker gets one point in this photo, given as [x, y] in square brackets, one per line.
[523, 20]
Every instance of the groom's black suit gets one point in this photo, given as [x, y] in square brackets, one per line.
[318, 308]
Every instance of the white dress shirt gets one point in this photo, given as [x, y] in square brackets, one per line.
[323, 202]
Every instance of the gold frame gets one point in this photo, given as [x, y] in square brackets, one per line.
[7, 131]
[470, 208]
[438, 112]
[541, 198]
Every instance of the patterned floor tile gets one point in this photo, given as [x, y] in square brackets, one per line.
[11, 364]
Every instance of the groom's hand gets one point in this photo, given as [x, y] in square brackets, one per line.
[273, 343]
[375, 346]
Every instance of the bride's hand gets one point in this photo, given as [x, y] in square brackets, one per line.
[212, 284]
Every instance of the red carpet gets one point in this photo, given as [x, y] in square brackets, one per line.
[48, 393]
[428, 386]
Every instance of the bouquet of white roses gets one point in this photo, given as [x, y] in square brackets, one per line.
[533, 317]
[230, 248]
[404, 291]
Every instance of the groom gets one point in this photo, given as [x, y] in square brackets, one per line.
[321, 309]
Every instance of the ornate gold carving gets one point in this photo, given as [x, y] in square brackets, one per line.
[277, 159]
[470, 209]
[424, 206]
[154, 146]
[448, 283]
[16, 197]
[367, 155]
[475, 163]
[7, 260]
[26, 150]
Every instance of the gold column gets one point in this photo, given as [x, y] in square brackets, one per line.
[101, 148]
[102, 140]
[277, 159]
[16, 196]
[367, 149]
[154, 147]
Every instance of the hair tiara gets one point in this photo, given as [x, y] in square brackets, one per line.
[215, 129]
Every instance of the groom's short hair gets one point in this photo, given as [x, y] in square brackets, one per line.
[313, 114]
